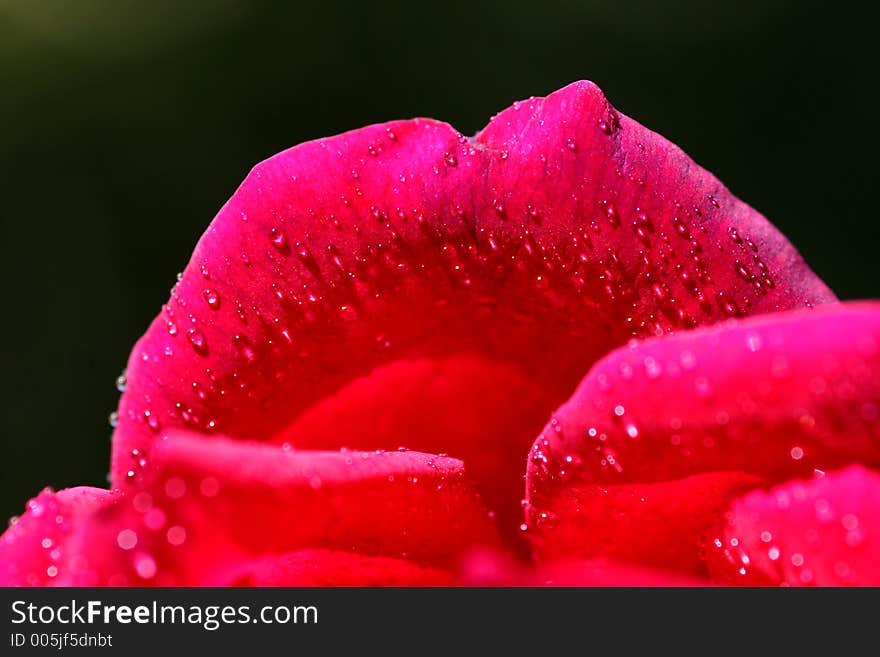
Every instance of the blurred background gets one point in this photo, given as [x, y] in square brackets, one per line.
[124, 126]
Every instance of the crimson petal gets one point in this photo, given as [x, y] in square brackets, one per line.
[211, 509]
[558, 232]
[661, 436]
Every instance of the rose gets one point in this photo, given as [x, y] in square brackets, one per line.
[405, 286]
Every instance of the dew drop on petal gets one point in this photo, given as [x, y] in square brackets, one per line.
[209, 487]
[212, 298]
[175, 488]
[198, 341]
[278, 240]
[126, 539]
[145, 566]
[176, 535]
[154, 519]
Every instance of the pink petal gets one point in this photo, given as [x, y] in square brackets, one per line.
[212, 507]
[35, 550]
[560, 231]
[663, 434]
[824, 532]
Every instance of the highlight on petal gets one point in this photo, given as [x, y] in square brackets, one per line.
[35, 550]
[662, 436]
[824, 532]
[557, 233]
[219, 512]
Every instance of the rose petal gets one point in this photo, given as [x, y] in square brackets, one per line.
[478, 410]
[34, 550]
[212, 507]
[560, 231]
[824, 532]
[659, 524]
[337, 568]
[773, 397]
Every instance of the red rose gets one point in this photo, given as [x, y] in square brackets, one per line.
[346, 382]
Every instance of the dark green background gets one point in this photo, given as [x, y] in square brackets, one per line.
[125, 125]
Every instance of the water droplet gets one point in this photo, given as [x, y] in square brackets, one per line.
[212, 298]
[209, 487]
[610, 212]
[152, 421]
[604, 126]
[175, 488]
[702, 387]
[244, 347]
[145, 566]
[348, 313]
[753, 342]
[176, 535]
[681, 228]
[198, 341]
[450, 159]
[279, 240]
[533, 213]
[154, 518]
[742, 270]
[113, 419]
[126, 539]
[546, 520]
[121, 381]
